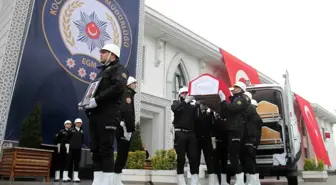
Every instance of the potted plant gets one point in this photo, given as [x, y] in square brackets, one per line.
[28, 160]
[313, 171]
[163, 166]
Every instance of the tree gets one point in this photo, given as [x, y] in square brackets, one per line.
[31, 132]
[136, 143]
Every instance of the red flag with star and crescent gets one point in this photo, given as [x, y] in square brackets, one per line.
[313, 129]
[238, 70]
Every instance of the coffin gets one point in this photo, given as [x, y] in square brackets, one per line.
[205, 88]
[267, 110]
[270, 136]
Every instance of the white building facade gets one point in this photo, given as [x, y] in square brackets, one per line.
[172, 57]
[326, 122]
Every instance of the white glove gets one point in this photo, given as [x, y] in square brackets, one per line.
[189, 98]
[128, 136]
[92, 104]
[67, 146]
[221, 95]
[58, 148]
[80, 106]
[208, 110]
[193, 102]
[213, 140]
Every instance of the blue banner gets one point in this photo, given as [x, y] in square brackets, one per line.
[61, 56]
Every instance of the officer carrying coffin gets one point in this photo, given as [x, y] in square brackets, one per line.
[234, 113]
[185, 141]
[251, 140]
[204, 125]
[221, 148]
[63, 148]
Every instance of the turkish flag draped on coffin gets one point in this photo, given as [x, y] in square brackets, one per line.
[238, 70]
[313, 129]
[206, 87]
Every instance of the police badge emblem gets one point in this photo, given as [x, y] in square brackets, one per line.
[76, 30]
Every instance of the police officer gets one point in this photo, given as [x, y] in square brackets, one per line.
[204, 127]
[105, 113]
[125, 129]
[185, 141]
[221, 149]
[234, 113]
[63, 146]
[76, 142]
[251, 134]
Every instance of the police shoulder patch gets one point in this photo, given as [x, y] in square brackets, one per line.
[124, 75]
[128, 100]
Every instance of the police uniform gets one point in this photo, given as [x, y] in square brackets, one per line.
[76, 142]
[204, 125]
[106, 117]
[62, 139]
[234, 113]
[185, 141]
[128, 118]
[251, 140]
[221, 151]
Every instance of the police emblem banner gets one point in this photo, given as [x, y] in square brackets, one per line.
[61, 56]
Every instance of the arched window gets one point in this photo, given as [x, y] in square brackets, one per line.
[178, 81]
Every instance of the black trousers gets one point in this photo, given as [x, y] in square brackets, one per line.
[122, 151]
[248, 155]
[102, 130]
[234, 147]
[221, 155]
[186, 143]
[205, 145]
[61, 159]
[74, 159]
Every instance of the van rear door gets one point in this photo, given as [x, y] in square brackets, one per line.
[291, 120]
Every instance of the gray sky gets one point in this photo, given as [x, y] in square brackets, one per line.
[271, 36]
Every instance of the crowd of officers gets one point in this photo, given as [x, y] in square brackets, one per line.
[232, 134]
[111, 116]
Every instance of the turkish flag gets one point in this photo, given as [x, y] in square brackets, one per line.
[238, 70]
[313, 129]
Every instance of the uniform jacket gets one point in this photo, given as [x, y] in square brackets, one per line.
[234, 112]
[113, 80]
[204, 122]
[76, 138]
[253, 122]
[184, 115]
[127, 107]
[63, 137]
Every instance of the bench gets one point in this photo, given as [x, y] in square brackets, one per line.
[26, 162]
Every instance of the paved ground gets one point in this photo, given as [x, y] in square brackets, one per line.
[331, 181]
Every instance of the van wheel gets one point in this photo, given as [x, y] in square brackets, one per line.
[292, 180]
